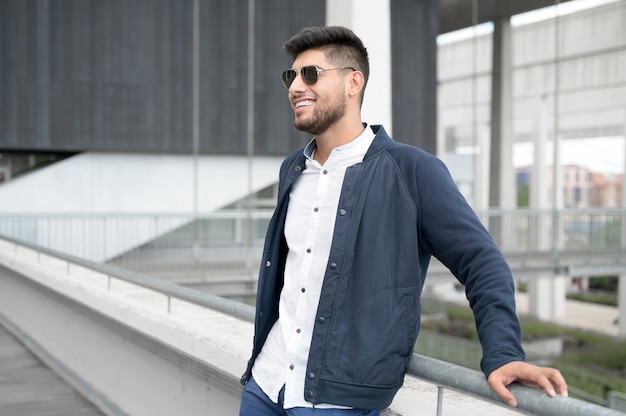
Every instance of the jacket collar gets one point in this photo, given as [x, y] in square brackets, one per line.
[381, 141]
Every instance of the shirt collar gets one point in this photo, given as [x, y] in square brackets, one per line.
[366, 136]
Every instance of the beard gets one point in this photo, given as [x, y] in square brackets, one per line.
[323, 117]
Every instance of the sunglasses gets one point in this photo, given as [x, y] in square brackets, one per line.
[309, 74]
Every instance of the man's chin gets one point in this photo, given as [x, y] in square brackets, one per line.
[306, 128]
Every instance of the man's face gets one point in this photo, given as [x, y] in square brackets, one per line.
[317, 107]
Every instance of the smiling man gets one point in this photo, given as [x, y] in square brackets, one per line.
[346, 253]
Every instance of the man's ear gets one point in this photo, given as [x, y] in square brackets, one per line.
[356, 80]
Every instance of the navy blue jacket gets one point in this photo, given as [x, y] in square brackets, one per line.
[397, 208]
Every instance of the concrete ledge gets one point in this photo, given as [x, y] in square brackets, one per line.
[132, 351]
[120, 346]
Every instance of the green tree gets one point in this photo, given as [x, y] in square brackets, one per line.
[523, 192]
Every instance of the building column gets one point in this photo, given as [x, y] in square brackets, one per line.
[481, 171]
[370, 20]
[401, 39]
[502, 179]
[538, 198]
[546, 296]
[539, 298]
[621, 283]
[414, 29]
[559, 286]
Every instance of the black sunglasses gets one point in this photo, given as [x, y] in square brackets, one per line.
[309, 74]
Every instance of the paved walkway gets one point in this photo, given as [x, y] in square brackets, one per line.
[29, 388]
[581, 315]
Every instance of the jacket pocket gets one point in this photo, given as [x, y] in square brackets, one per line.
[375, 344]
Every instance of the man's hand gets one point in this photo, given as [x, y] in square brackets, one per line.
[548, 379]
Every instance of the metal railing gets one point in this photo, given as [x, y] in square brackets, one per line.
[567, 238]
[230, 242]
[444, 375]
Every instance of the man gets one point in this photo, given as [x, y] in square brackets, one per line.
[358, 218]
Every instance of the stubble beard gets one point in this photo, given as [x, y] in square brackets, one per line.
[323, 118]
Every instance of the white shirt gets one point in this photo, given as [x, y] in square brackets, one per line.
[309, 226]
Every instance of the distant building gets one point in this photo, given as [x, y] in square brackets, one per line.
[607, 190]
[577, 187]
[582, 188]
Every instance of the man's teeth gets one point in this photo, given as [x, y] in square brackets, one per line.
[303, 104]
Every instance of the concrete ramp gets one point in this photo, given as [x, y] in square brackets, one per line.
[63, 206]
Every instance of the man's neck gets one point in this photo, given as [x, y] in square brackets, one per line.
[334, 137]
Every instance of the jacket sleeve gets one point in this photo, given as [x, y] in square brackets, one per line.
[450, 230]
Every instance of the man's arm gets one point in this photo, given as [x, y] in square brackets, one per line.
[454, 234]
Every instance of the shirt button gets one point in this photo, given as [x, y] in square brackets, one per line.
[308, 250]
[325, 172]
[303, 290]
[316, 209]
[298, 330]
[291, 366]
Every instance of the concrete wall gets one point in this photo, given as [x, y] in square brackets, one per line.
[118, 344]
[127, 183]
[77, 188]
[121, 347]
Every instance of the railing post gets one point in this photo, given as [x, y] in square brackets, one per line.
[439, 400]
[104, 238]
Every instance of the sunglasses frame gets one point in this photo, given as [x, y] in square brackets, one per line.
[309, 74]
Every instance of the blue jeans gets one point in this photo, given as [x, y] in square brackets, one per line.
[254, 402]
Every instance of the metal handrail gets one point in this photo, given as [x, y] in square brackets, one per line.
[440, 373]
[473, 382]
[171, 290]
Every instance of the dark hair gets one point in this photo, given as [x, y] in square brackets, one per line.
[339, 44]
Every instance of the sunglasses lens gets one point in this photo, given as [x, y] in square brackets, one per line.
[288, 77]
[309, 74]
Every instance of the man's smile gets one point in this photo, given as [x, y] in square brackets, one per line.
[305, 103]
[300, 103]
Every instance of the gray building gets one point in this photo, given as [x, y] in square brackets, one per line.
[133, 78]
[563, 77]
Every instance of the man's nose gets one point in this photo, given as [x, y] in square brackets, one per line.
[297, 84]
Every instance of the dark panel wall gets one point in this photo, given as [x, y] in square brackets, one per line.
[414, 72]
[117, 75]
